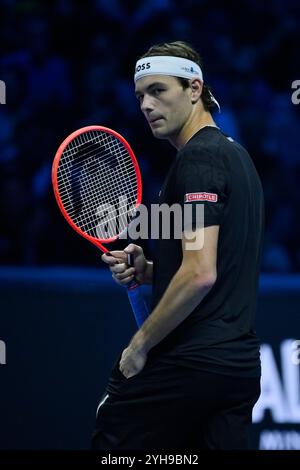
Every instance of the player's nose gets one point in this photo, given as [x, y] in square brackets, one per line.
[147, 105]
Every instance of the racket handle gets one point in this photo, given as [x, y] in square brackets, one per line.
[136, 299]
[135, 296]
[137, 302]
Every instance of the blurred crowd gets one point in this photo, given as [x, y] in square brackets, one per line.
[68, 64]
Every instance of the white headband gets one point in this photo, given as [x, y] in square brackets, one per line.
[169, 65]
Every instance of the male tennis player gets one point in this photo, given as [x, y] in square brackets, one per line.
[191, 374]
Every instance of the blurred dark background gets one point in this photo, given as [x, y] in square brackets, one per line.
[68, 64]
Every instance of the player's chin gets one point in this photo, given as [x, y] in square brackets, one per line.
[159, 133]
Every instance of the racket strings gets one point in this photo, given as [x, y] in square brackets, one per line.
[85, 201]
[103, 173]
[84, 214]
[102, 161]
[108, 190]
[75, 188]
[81, 213]
[82, 156]
[97, 184]
[86, 220]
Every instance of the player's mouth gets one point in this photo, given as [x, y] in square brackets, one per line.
[155, 121]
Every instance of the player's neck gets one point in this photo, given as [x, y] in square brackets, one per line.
[196, 122]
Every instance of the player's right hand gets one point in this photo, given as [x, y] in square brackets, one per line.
[122, 273]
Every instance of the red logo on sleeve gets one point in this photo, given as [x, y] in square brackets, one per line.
[209, 197]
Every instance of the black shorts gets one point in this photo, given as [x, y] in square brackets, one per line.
[172, 407]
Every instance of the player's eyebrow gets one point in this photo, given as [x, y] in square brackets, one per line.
[149, 88]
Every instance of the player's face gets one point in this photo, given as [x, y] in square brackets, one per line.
[165, 104]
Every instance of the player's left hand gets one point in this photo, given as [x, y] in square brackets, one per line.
[132, 362]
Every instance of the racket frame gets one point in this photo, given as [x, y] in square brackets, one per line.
[96, 241]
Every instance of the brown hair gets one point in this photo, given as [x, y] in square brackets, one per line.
[183, 49]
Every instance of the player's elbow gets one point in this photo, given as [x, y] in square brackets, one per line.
[205, 280]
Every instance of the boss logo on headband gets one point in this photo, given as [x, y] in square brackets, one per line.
[144, 66]
[189, 70]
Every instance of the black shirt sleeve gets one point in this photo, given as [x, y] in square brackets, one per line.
[202, 179]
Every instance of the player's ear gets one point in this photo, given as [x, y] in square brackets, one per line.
[196, 87]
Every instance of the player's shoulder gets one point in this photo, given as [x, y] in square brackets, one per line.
[203, 147]
[211, 146]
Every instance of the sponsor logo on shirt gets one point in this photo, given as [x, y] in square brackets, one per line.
[209, 197]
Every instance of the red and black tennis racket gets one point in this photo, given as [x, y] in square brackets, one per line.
[98, 187]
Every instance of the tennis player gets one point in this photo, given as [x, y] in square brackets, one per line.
[191, 374]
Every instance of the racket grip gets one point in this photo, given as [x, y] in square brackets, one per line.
[137, 302]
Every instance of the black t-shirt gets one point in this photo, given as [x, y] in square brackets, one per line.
[213, 170]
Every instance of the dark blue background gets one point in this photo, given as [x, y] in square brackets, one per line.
[68, 64]
[64, 329]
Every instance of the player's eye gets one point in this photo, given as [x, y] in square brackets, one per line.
[157, 91]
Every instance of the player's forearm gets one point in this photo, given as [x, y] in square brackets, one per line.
[184, 293]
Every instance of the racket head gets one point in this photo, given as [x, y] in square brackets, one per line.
[113, 166]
